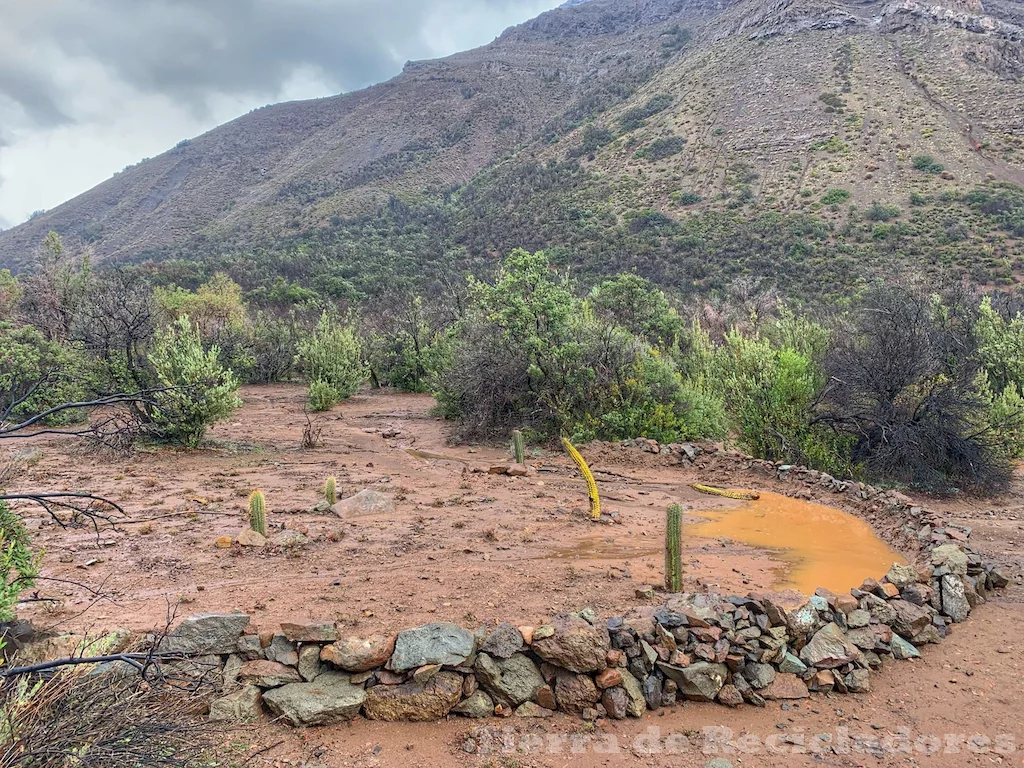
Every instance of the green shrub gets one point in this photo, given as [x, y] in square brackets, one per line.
[37, 374]
[685, 198]
[18, 564]
[927, 164]
[835, 197]
[881, 212]
[662, 148]
[331, 358]
[200, 390]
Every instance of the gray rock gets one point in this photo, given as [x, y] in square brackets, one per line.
[309, 662]
[229, 675]
[901, 649]
[701, 681]
[208, 633]
[282, 650]
[637, 705]
[504, 641]
[901, 576]
[365, 502]
[910, 618]
[477, 705]
[509, 681]
[575, 692]
[954, 598]
[829, 648]
[858, 618]
[616, 702]
[858, 681]
[415, 701]
[249, 647]
[718, 762]
[950, 556]
[309, 633]
[818, 602]
[242, 706]
[574, 645]
[929, 634]
[438, 643]
[878, 608]
[652, 691]
[532, 709]
[328, 699]
[759, 675]
[267, 674]
[792, 665]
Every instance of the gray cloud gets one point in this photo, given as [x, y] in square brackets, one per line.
[89, 86]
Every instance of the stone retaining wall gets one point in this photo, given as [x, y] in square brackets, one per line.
[698, 647]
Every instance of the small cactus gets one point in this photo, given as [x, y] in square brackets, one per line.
[258, 513]
[673, 549]
[331, 490]
[519, 447]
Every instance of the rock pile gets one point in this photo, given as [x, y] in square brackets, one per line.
[699, 647]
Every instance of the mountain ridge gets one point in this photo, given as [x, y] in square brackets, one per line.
[762, 104]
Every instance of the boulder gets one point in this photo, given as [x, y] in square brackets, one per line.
[509, 681]
[786, 687]
[730, 696]
[653, 693]
[415, 701]
[242, 706]
[328, 699]
[575, 692]
[608, 678]
[701, 681]
[954, 598]
[503, 642]
[901, 576]
[950, 556]
[282, 650]
[478, 704]
[858, 618]
[910, 618]
[267, 674]
[207, 633]
[792, 665]
[829, 648]
[365, 502]
[359, 654]
[438, 643]
[573, 644]
[803, 621]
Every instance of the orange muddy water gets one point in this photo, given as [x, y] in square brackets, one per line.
[820, 546]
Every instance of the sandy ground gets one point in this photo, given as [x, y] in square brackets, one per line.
[478, 549]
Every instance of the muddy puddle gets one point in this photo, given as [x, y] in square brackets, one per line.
[820, 546]
[428, 456]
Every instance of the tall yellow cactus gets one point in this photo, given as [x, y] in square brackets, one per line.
[595, 500]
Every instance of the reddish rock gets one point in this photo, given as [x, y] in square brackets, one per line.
[846, 603]
[310, 633]
[706, 634]
[614, 657]
[730, 696]
[608, 678]
[267, 674]
[546, 697]
[359, 654]
[785, 686]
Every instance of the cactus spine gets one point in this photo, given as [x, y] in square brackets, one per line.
[674, 549]
[519, 447]
[258, 513]
[331, 490]
[595, 500]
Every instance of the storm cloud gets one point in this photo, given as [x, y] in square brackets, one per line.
[89, 86]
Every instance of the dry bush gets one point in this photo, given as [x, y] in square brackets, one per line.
[79, 719]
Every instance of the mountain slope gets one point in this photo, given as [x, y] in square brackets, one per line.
[685, 107]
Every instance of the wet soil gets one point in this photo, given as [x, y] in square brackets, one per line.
[477, 548]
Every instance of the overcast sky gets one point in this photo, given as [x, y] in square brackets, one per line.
[90, 86]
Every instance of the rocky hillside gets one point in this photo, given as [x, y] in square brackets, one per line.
[624, 108]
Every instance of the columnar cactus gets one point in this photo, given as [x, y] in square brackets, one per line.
[519, 447]
[595, 500]
[258, 513]
[674, 549]
[331, 490]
